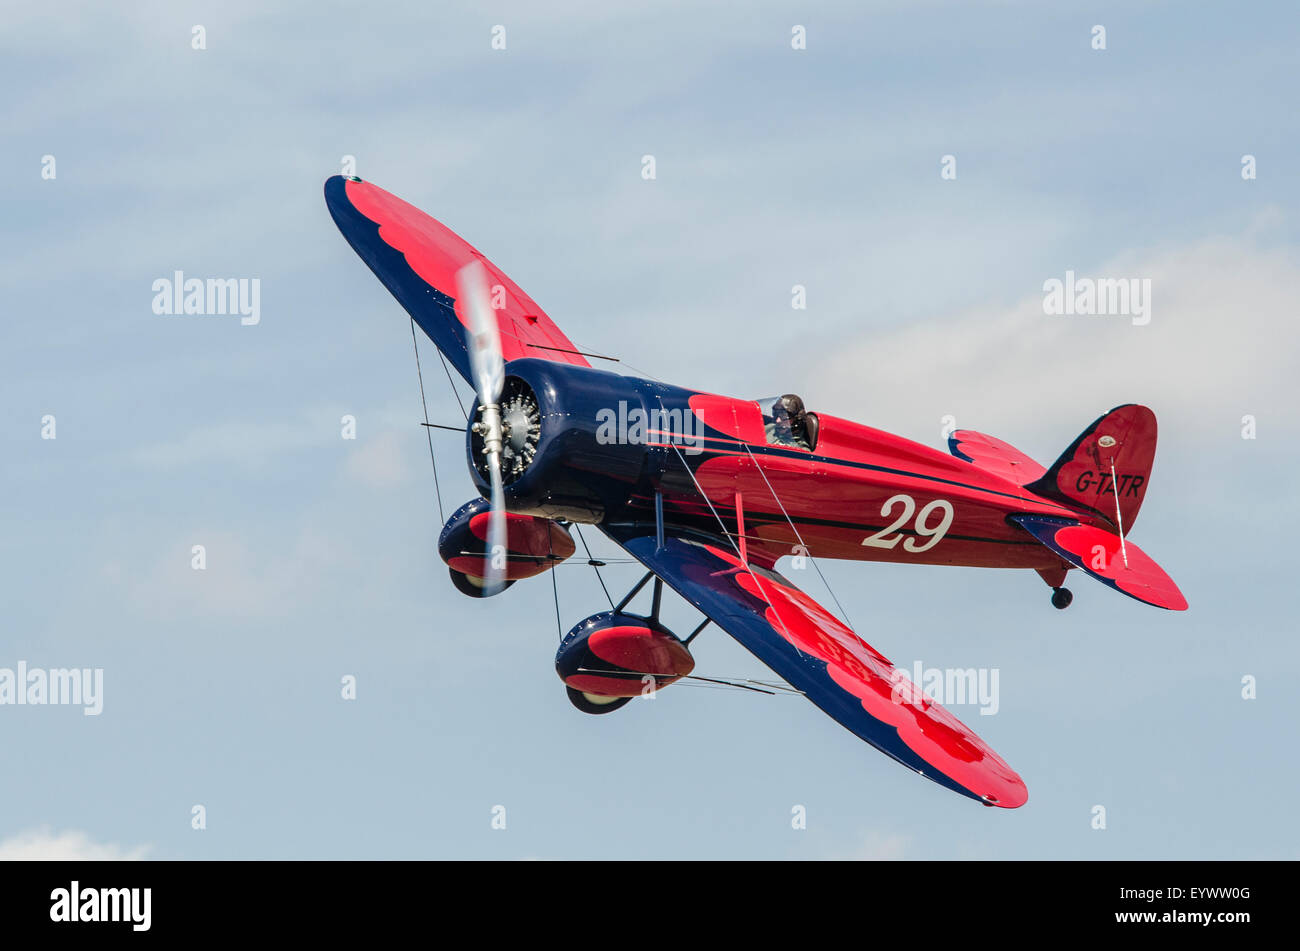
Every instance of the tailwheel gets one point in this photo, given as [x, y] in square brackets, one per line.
[1061, 598]
[474, 587]
[594, 703]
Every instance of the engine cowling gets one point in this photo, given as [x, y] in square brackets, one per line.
[561, 457]
[533, 545]
[611, 657]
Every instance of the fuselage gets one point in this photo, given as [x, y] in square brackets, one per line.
[613, 448]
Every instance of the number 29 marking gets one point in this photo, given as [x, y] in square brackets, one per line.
[933, 533]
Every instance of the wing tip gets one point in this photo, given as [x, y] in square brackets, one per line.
[1017, 799]
[336, 190]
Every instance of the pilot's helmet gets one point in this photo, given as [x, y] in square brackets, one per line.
[793, 407]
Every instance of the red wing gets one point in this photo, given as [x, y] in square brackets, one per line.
[835, 669]
[417, 258]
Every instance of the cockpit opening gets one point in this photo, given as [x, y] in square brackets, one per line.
[787, 423]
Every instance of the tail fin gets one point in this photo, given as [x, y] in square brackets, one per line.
[1108, 466]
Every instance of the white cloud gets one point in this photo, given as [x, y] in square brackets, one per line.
[379, 463]
[250, 445]
[875, 847]
[72, 845]
[245, 576]
[376, 457]
[1219, 345]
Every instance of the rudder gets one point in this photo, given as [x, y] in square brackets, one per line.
[1114, 453]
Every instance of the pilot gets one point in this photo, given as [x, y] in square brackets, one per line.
[789, 426]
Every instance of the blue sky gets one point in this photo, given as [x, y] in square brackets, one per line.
[775, 167]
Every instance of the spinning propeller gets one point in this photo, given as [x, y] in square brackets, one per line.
[489, 377]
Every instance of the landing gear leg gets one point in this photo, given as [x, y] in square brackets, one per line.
[1061, 598]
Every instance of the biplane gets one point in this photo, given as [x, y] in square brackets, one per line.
[710, 492]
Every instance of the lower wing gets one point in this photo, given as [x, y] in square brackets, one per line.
[816, 653]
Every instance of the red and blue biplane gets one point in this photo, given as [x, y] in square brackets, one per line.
[709, 492]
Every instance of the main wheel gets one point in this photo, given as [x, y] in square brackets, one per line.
[1061, 598]
[594, 703]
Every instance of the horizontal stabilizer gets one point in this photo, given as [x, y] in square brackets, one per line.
[1125, 567]
[993, 455]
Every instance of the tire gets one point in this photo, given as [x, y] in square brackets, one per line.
[466, 585]
[585, 703]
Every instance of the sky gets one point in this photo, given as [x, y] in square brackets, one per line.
[774, 167]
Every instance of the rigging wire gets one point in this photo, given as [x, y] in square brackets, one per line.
[797, 535]
[785, 630]
[427, 434]
[452, 383]
[555, 590]
[594, 567]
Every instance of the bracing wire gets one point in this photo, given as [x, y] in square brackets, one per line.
[594, 567]
[797, 535]
[428, 435]
[452, 383]
[555, 590]
[785, 630]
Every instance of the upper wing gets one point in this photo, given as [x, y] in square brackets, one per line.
[813, 651]
[993, 455]
[417, 259]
